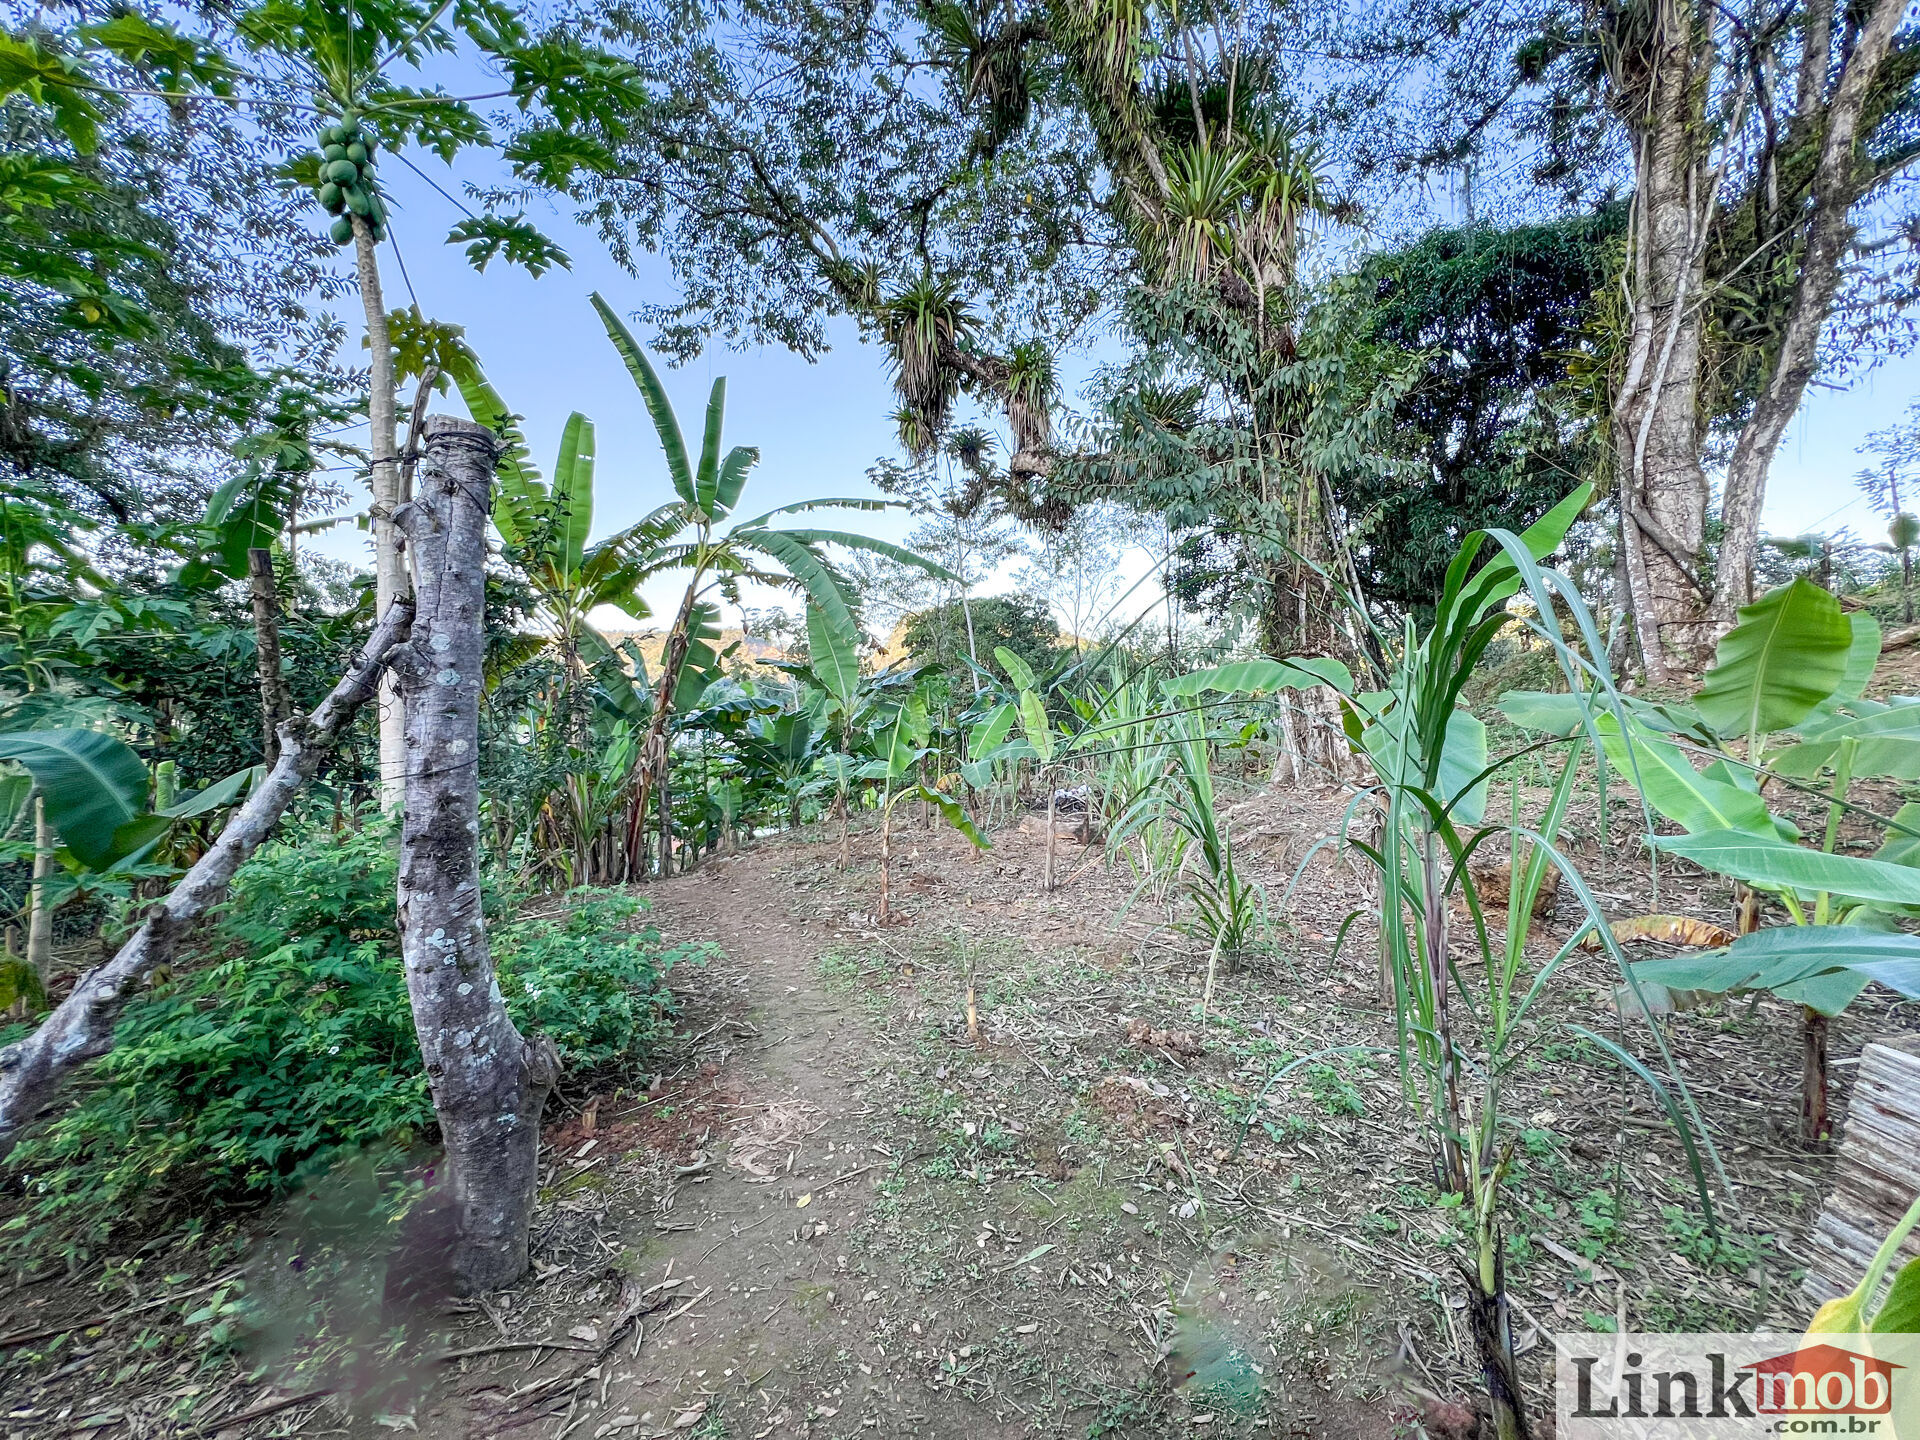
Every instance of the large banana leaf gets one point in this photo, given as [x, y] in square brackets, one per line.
[1894, 757]
[665, 423]
[1824, 966]
[573, 490]
[987, 736]
[1017, 669]
[1257, 677]
[1787, 655]
[951, 811]
[1662, 773]
[833, 654]
[706, 480]
[521, 487]
[1547, 712]
[733, 476]
[1902, 845]
[92, 783]
[871, 543]
[803, 563]
[1774, 864]
[1863, 654]
[1035, 725]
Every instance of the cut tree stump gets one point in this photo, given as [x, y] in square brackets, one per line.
[1879, 1171]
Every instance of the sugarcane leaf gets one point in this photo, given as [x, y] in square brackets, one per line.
[1663, 774]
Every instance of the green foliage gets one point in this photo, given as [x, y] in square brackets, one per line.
[1495, 314]
[292, 1045]
[1018, 623]
[1787, 655]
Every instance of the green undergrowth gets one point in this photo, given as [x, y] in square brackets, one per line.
[286, 1044]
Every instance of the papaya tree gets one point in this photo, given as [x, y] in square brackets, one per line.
[340, 88]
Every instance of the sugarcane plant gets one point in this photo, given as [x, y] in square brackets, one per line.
[1430, 769]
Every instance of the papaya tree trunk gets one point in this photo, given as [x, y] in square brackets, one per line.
[489, 1083]
[276, 705]
[383, 456]
[40, 914]
[81, 1028]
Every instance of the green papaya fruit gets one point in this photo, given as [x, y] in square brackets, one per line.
[356, 152]
[330, 135]
[334, 152]
[330, 198]
[376, 208]
[342, 172]
[342, 231]
[358, 201]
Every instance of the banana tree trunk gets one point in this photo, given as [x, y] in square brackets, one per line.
[652, 769]
[32, 1070]
[489, 1083]
[885, 912]
[1053, 795]
[383, 454]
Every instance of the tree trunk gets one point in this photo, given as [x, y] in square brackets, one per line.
[885, 913]
[1656, 412]
[1829, 233]
[489, 1083]
[40, 914]
[276, 705]
[1053, 795]
[1814, 1123]
[31, 1070]
[652, 768]
[389, 566]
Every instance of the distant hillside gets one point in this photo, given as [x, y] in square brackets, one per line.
[651, 643]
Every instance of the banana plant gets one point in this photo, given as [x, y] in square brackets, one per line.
[1781, 707]
[718, 552]
[545, 528]
[904, 745]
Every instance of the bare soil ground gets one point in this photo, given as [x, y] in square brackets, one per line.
[837, 1212]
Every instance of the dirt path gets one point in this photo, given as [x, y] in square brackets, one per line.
[839, 1213]
[848, 1218]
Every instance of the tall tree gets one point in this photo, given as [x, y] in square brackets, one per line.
[1501, 429]
[1758, 143]
[350, 84]
[970, 181]
[489, 1082]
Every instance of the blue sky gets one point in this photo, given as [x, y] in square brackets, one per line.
[820, 425]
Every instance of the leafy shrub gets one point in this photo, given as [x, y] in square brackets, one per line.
[296, 1046]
